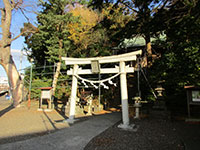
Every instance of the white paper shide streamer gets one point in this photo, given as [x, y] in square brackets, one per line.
[101, 82]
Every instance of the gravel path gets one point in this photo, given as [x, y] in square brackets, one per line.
[154, 133]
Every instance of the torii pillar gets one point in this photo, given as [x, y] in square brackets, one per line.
[124, 96]
[73, 95]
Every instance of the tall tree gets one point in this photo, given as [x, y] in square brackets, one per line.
[144, 25]
[82, 30]
[179, 64]
[142, 21]
[52, 39]
[6, 59]
[114, 18]
[183, 29]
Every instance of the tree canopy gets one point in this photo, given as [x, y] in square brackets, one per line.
[51, 41]
[94, 28]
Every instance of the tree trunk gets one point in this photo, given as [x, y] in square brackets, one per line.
[14, 80]
[55, 79]
[145, 61]
[148, 44]
[58, 65]
[5, 57]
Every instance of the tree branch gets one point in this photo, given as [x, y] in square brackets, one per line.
[17, 36]
[6, 17]
[24, 14]
[124, 3]
[16, 4]
[12, 4]
[165, 3]
[1, 9]
[22, 34]
[2, 15]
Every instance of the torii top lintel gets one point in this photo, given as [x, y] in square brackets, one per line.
[106, 59]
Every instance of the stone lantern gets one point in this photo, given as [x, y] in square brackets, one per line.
[159, 90]
[159, 103]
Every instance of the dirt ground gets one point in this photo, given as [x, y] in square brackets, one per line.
[24, 122]
[154, 132]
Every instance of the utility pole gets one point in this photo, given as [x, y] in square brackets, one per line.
[138, 77]
[30, 82]
[20, 66]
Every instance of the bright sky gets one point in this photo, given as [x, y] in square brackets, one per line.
[17, 22]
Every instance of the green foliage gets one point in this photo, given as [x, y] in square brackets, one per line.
[51, 39]
[183, 44]
[36, 85]
[179, 21]
[41, 78]
[63, 89]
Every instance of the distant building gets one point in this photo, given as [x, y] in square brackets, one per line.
[4, 83]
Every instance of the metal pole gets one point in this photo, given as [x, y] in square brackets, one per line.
[138, 78]
[99, 91]
[22, 88]
[20, 67]
[188, 102]
[29, 96]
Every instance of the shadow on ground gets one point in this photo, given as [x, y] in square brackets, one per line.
[4, 111]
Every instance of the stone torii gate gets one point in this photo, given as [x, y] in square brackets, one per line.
[96, 68]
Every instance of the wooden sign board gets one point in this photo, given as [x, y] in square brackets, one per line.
[46, 94]
[196, 96]
[193, 97]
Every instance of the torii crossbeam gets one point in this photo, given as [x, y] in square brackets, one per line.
[122, 69]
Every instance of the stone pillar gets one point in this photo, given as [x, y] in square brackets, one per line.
[73, 95]
[137, 106]
[124, 96]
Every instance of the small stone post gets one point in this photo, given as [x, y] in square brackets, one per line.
[90, 106]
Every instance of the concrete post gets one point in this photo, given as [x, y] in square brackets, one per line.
[124, 96]
[73, 95]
